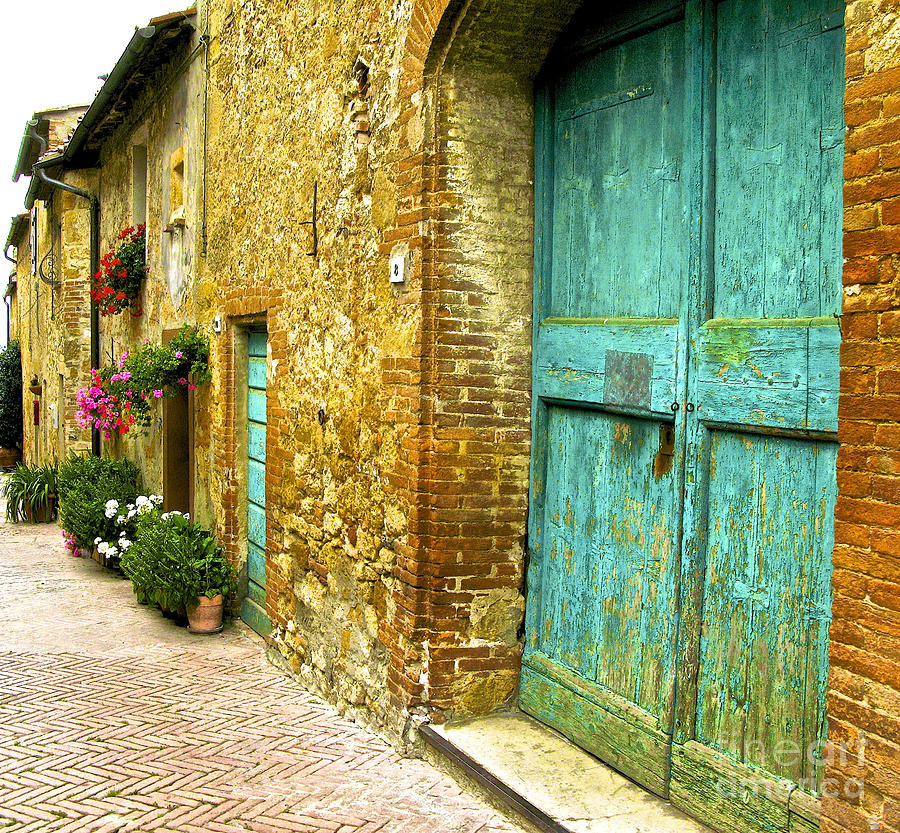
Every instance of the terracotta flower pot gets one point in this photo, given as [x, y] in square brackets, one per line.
[9, 457]
[206, 615]
[41, 514]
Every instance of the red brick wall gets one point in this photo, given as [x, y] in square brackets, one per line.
[465, 177]
[864, 696]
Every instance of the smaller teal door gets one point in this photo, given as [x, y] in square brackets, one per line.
[253, 611]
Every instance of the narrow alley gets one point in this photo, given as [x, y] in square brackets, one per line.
[112, 718]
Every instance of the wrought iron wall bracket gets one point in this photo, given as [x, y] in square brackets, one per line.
[47, 270]
[312, 222]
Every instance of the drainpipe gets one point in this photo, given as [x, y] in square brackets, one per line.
[95, 256]
[6, 300]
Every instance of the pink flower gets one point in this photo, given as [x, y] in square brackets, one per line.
[182, 381]
[179, 354]
[157, 394]
[192, 387]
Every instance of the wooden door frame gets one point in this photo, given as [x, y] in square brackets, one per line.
[167, 336]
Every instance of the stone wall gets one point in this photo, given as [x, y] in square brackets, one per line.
[864, 697]
[53, 322]
[166, 119]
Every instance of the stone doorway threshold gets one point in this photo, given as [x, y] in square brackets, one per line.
[548, 781]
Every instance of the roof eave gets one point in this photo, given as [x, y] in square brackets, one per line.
[128, 61]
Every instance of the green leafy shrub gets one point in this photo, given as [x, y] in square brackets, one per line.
[86, 484]
[30, 492]
[10, 396]
[173, 561]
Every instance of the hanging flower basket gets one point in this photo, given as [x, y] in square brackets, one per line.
[117, 284]
[121, 395]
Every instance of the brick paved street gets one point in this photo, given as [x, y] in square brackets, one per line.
[112, 718]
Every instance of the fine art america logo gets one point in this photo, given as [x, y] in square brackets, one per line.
[788, 755]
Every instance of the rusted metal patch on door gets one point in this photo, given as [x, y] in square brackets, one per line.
[626, 379]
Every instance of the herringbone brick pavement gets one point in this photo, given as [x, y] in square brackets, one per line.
[114, 719]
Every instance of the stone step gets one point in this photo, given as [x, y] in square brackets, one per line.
[549, 782]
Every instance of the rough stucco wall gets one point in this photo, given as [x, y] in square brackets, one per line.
[287, 111]
[395, 527]
[167, 116]
[54, 323]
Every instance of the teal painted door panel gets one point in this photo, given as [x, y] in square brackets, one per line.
[609, 304]
[256, 570]
[767, 599]
[685, 381]
[256, 406]
[257, 437]
[779, 158]
[257, 342]
[619, 222]
[608, 533]
[256, 525]
[256, 482]
[254, 605]
[256, 372]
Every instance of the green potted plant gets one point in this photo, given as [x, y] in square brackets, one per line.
[10, 405]
[86, 485]
[176, 563]
[30, 493]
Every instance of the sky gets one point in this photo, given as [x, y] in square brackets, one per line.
[51, 54]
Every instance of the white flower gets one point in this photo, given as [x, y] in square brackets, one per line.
[124, 543]
[157, 499]
[112, 504]
[121, 519]
[144, 508]
[97, 540]
[111, 550]
[142, 501]
[131, 513]
[103, 547]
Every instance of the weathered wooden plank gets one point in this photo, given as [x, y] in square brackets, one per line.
[256, 437]
[257, 593]
[619, 226]
[622, 708]
[256, 566]
[777, 232]
[256, 343]
[607, 559]
[256, 482]
[637, 753]
[728, 796]
[763, 655]
[256, 372]
[824, 377]
[570, 358]
[256, 405]
[255, 616]
[256, 525]
[805, 812]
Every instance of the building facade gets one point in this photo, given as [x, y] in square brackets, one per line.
[50, 313]
[555, 364]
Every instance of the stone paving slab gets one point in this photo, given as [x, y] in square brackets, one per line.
[113, 718]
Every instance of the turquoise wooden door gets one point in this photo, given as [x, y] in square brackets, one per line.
[253, 611]
[608, 364]
[687, 278]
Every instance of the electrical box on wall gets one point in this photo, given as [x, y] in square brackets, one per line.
[217, 324]
[398, 269]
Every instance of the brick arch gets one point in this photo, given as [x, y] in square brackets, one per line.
[461, 398]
